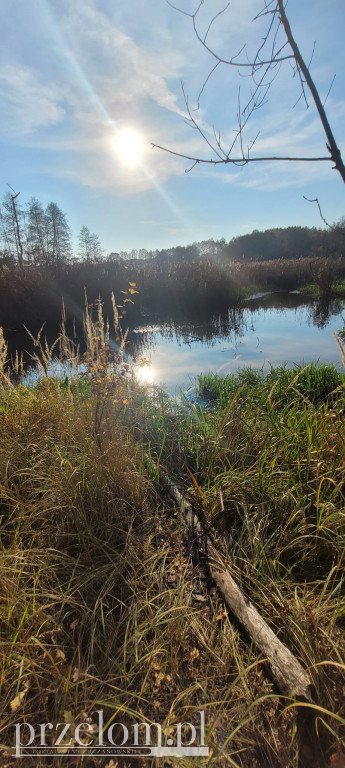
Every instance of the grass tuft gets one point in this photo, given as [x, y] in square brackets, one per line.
[103, 604]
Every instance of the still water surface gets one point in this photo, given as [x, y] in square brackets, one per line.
[268, 331]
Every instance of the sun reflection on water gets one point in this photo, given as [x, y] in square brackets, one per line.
[146, 374]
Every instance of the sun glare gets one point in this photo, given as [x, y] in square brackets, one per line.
[129, 147]
[146, 374]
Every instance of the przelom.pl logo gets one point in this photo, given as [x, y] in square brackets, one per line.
[113, 740]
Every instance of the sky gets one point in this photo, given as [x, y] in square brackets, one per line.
[87, 86]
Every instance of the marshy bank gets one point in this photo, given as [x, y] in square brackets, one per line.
[167, 290]
[105, 605]
[189, 337]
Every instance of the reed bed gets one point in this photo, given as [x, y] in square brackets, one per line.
[169, 290]
[104, 606]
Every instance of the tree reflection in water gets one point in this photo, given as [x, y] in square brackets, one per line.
[257, 330]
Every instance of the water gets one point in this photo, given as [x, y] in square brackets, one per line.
[266, 331]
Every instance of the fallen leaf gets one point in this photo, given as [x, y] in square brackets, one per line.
[16, 702]
[198, 597]
[194, 654]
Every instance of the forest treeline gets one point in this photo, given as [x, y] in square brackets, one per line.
[35, 235]
[267, 245]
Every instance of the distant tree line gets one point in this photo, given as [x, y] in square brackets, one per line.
[268, 245]
[286, 243]
[41, 236]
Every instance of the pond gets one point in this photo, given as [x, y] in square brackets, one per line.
[265, 331]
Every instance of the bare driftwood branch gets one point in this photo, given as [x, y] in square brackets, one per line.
[287, 672]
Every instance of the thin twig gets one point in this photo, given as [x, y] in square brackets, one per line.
[316, 200]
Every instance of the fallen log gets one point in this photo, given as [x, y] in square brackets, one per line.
[286, 671]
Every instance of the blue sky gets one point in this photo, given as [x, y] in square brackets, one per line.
[75, 73]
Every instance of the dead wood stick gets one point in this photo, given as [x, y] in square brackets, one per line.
[286, 671]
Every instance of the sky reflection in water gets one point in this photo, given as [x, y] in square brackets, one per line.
[263, 336]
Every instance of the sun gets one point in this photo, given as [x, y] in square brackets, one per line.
[129, 147]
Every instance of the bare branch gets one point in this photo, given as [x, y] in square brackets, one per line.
[230, 62]
[329, 90]
[180, 10]
[188, 170]
[265, 11]
[263, 70]
[257, 59]
[312, 55]
[205, 83]
[242, 160]
[331, 143]
[197, 126]
[214, 18]
[330, 226]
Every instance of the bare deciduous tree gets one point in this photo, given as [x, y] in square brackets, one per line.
[37, 246]
[277, 47]
[11, 218]
[90, 248]
[58, 235]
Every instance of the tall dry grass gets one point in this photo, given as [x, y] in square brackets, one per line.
[266, 466]
[168, 291]
[104, 606]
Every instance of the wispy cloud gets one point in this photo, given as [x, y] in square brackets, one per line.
[27, 102]
[106, 81]
[122, 73]
[101, 74]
